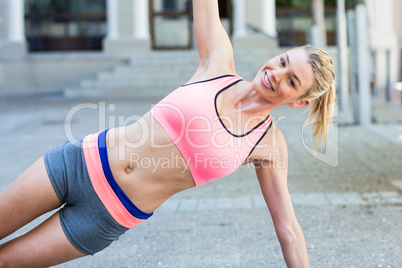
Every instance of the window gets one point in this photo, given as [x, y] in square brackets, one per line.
[65, 25]
[294, 20]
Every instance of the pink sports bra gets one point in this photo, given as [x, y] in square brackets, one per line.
[190, 117]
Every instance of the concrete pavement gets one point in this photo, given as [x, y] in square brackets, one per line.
[348, 201]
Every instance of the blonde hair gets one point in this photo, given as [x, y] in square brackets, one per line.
[322, 95]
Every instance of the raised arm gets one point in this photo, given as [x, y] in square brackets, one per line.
[273, 182]
[214, 46]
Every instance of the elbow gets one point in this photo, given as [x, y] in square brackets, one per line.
[285, 235]
[288, 233]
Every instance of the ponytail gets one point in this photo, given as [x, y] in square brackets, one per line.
[322, 96]
[320, 115]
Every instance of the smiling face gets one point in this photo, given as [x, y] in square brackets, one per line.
[285, 78]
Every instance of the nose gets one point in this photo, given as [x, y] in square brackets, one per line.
[276, 75]
[279, 74]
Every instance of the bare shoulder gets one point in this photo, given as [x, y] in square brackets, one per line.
[271, 146]
[279, 140]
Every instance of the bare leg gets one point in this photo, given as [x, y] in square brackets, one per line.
[44, 246]
[28, 197]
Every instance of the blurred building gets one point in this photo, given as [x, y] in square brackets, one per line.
[48, 45]
[385, 25]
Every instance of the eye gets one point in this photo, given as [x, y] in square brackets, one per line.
[292, 83]
[282, 62]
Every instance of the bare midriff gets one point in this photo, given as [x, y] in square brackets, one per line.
[146, 163]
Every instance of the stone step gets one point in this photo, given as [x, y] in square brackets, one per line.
[157, 73]
[133, 83]
[159, 86]
[145, 74]
[181, 77]
[136, 80]
[188, 69]
[145, 93]
[162, 72]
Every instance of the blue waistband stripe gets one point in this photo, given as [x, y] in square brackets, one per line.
[127, 203]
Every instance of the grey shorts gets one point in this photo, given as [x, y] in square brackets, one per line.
[84, 219]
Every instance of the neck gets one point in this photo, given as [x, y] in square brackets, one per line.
[250, 101]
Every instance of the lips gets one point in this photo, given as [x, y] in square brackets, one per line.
[267, 82]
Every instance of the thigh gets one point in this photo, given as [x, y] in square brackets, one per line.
[28, 197]
[87, 224]
[44, 246]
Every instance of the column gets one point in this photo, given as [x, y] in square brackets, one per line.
[141, 20]
[268, 17]
[319, 23]
[363, 57]
[16, 29]
[384, 37]
[343, 83]
[112, 19]
[352, 36]
[128, 27]
[240, 22]
[15, 41]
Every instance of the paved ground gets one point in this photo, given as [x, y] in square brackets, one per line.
[348, 201]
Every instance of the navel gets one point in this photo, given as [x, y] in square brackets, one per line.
[128, 170]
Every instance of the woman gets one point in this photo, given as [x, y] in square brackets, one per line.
[212, 125]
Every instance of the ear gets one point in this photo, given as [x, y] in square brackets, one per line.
[298, 104]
